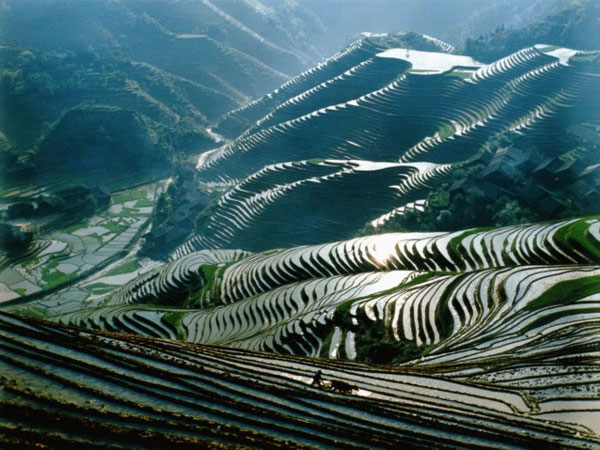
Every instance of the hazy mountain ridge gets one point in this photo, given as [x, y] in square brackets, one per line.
[48, 87]
[451, 21]
[179, 65]
[576, 26]
[353, 72]
[169, 35]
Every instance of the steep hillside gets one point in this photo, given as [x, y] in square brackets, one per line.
[168, 69]
[355, 58]
[290, 300]
[180, 64]
[53, 103]
[577, 26]
[369, 143]
[211, 43]
[274, 36]
[396, 248]
[84, 140]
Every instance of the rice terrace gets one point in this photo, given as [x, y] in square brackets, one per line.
[299, 224]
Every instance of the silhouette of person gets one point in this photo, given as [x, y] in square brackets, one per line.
[318, 378]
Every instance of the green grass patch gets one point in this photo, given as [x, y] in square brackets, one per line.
[21, 291]
[130, 212]
[210, 272]
[113, 227]
[53, 279]
[75, 227]
[128, 267]
[128, 196]
[446, 130]
[566, 292]
[579, 233]
[100, 288]
[576, 235]
[210, 290]
[144, 203]
[57, 258]
[342, 316]
[456, 242]
[175, 318]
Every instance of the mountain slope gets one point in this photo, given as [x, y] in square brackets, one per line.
[53, 102]
[354, 56]
[286, 320]
[577, 26]
[369, 143]
[199, 41]
[176, 65]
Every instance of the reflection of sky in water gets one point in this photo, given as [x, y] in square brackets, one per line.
[383, 249]
[430, 61]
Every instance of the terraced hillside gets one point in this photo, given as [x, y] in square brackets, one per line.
[65, 254]
[514, 308]
[277, 290]
[279, 324]
[310, 201]
[539, 89]
[65, 387]
[349, 71]
[367, 135]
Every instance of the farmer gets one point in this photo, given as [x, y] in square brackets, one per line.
[317, 379]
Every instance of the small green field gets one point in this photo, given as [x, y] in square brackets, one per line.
[84, 247]
[128, 267]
